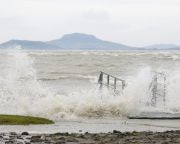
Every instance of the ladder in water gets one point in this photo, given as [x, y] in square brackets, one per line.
[157, 86]
[111, 81]
[158, 89]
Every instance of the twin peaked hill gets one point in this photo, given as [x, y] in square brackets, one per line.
[76, 41]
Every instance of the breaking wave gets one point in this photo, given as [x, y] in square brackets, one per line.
[22, 93]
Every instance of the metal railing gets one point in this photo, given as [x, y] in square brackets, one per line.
[111, 81]
[158, 89]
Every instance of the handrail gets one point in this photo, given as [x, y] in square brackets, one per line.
[107, 83]
[111, 76]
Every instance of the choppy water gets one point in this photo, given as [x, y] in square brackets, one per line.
[63, 85]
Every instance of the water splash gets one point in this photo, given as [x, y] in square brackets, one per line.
[22, 93]
[19, 89]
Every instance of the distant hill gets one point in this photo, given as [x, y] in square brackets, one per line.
[75, 41]
[79, 41]
[84, 41]
[162, 47]
[27, 44]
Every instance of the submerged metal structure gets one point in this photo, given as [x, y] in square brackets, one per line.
[111, 81]
[158, 89]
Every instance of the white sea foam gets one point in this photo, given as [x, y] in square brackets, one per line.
[22, 93]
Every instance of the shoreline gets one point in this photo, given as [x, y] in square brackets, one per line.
[115, 137]
[95, 126]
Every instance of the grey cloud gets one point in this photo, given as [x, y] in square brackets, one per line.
[132, 22]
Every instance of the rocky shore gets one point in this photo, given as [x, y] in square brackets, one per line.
[116, 137]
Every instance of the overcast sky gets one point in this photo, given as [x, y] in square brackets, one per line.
[131, 22]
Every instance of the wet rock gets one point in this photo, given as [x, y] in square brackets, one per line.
[116, 132]
[127, 133]
[59, 142]
[36, 138]
[60, 138]
[81, 136]
[24, 133]
[57, 134]
[19, 142]
[9, 142]
[19, 137]
[66, 134]
[6, 137]
[97, 138]
[134, 133]
[13, 133]
[71, 139]
[88, 138]
[165, 143]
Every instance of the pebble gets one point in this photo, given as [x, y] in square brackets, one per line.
[25, 133]
[88, 138]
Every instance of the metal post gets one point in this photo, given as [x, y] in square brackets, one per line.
[154, 91]
[100, 81]
[123, 84]
[108, 80]
[114, 84]
[164, 95]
